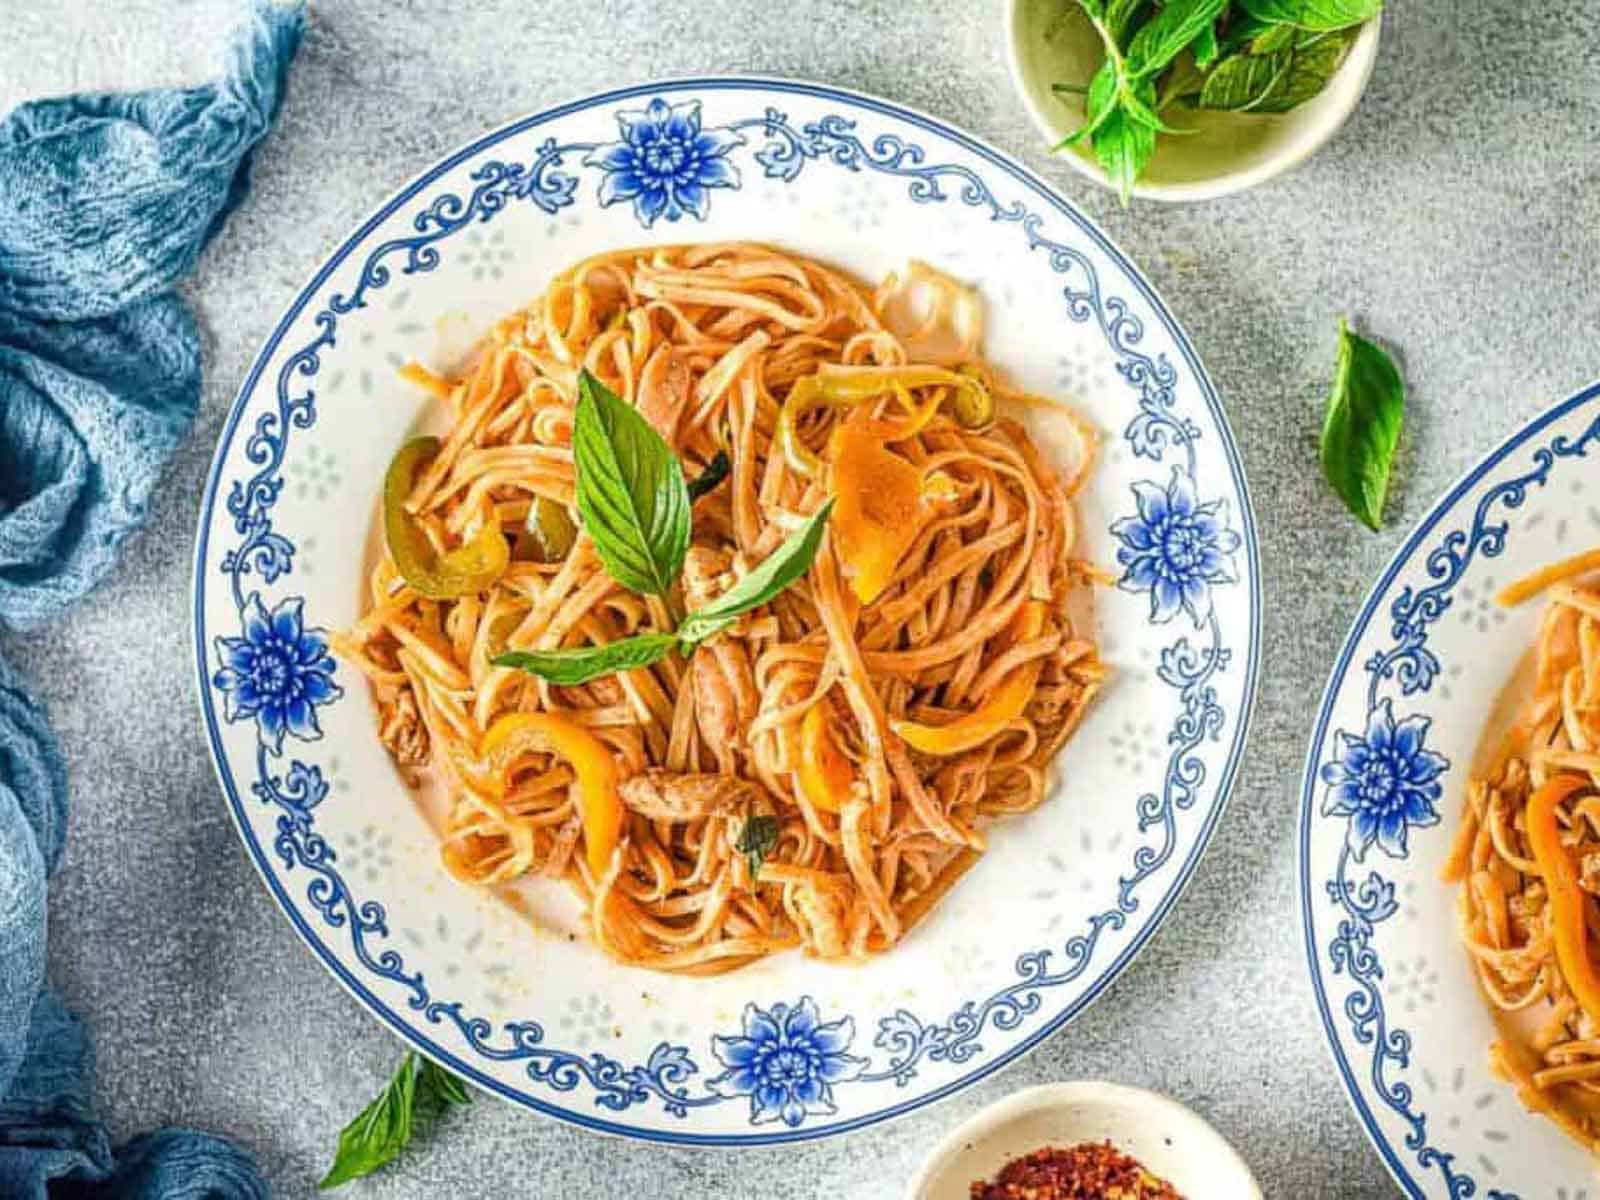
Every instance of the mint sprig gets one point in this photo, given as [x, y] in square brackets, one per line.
[1264, 56]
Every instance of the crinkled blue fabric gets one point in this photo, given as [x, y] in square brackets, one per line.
[105, 203]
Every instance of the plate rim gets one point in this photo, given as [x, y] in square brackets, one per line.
[1051, 198]
[1355, 1097]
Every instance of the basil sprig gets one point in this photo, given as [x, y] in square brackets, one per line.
[579, 664]
[634, 503]
[1237, 55]
[631, 491]
[777, 571]
[1366, 407]
[417, 1095]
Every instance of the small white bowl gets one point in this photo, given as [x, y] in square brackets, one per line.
[1051, 41]
[1171, 1141]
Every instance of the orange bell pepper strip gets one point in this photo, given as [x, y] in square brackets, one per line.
[599, 800]
[824, 774]
[1560, 872]
[1003, 706]
[464, 571]
[878, 512]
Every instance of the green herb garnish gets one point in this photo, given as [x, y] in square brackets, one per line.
[1234, 55]
[634, 503]
[417, 1095]
[757, 840]
[580, 664]
[716, 471]
[631, 493]
[1362, 427]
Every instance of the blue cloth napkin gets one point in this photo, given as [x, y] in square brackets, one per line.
[105, 202]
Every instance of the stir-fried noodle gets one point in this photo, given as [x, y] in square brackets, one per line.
[1527, 858]
[939, 607]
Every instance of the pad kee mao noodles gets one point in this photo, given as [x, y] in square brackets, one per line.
[817, 771]
[1527, 858]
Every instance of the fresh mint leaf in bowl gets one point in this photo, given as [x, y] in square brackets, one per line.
[1190, 99]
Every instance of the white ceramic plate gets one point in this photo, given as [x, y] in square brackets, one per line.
[1429, 654]
[1169, 1140]
[788, 1048]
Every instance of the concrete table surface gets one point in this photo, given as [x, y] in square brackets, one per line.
[1456, 216]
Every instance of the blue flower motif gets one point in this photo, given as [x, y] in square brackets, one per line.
[1384, 782]
[278, 672]
[1175, 549]
[787, 1062]
[665, 162]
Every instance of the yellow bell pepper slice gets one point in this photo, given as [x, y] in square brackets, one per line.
[1004, 705]
[1561, 877]
[878, 512]
[824, 774]
[599, 800]
[464, 571]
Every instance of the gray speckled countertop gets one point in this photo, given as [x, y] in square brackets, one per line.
[1455, 216]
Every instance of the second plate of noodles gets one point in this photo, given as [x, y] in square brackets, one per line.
[866, 725]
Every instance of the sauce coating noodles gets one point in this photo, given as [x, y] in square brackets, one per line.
[790, 715]
[1527, 858]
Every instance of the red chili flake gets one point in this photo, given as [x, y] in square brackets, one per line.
[1090, 1171]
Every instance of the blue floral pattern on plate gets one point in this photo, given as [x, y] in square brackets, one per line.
[665, 163]
[1175, 548]
[1381, 785]
[789, 1062]
[786, 1061]
[1384, 781]
[277, 674]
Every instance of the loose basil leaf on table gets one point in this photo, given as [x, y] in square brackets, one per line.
[1361, 429]
[631, 492]
[418, 1094]
[791, 560]
[1322, 15]
[579, 664]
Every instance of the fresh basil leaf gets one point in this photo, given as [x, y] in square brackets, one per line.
[1362, 427]
[1273, 38]
[1098, 104]
[757, 840]
[1168, 33]
[1205, 47]
[1319, 15]
[1120, 16]
[631, 494]
[716, 471]
[791, 560]
[1123, 147]
[580, 664]
[1243, 82]
[1275, 83]
[438, 1090]
[417, 1094]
